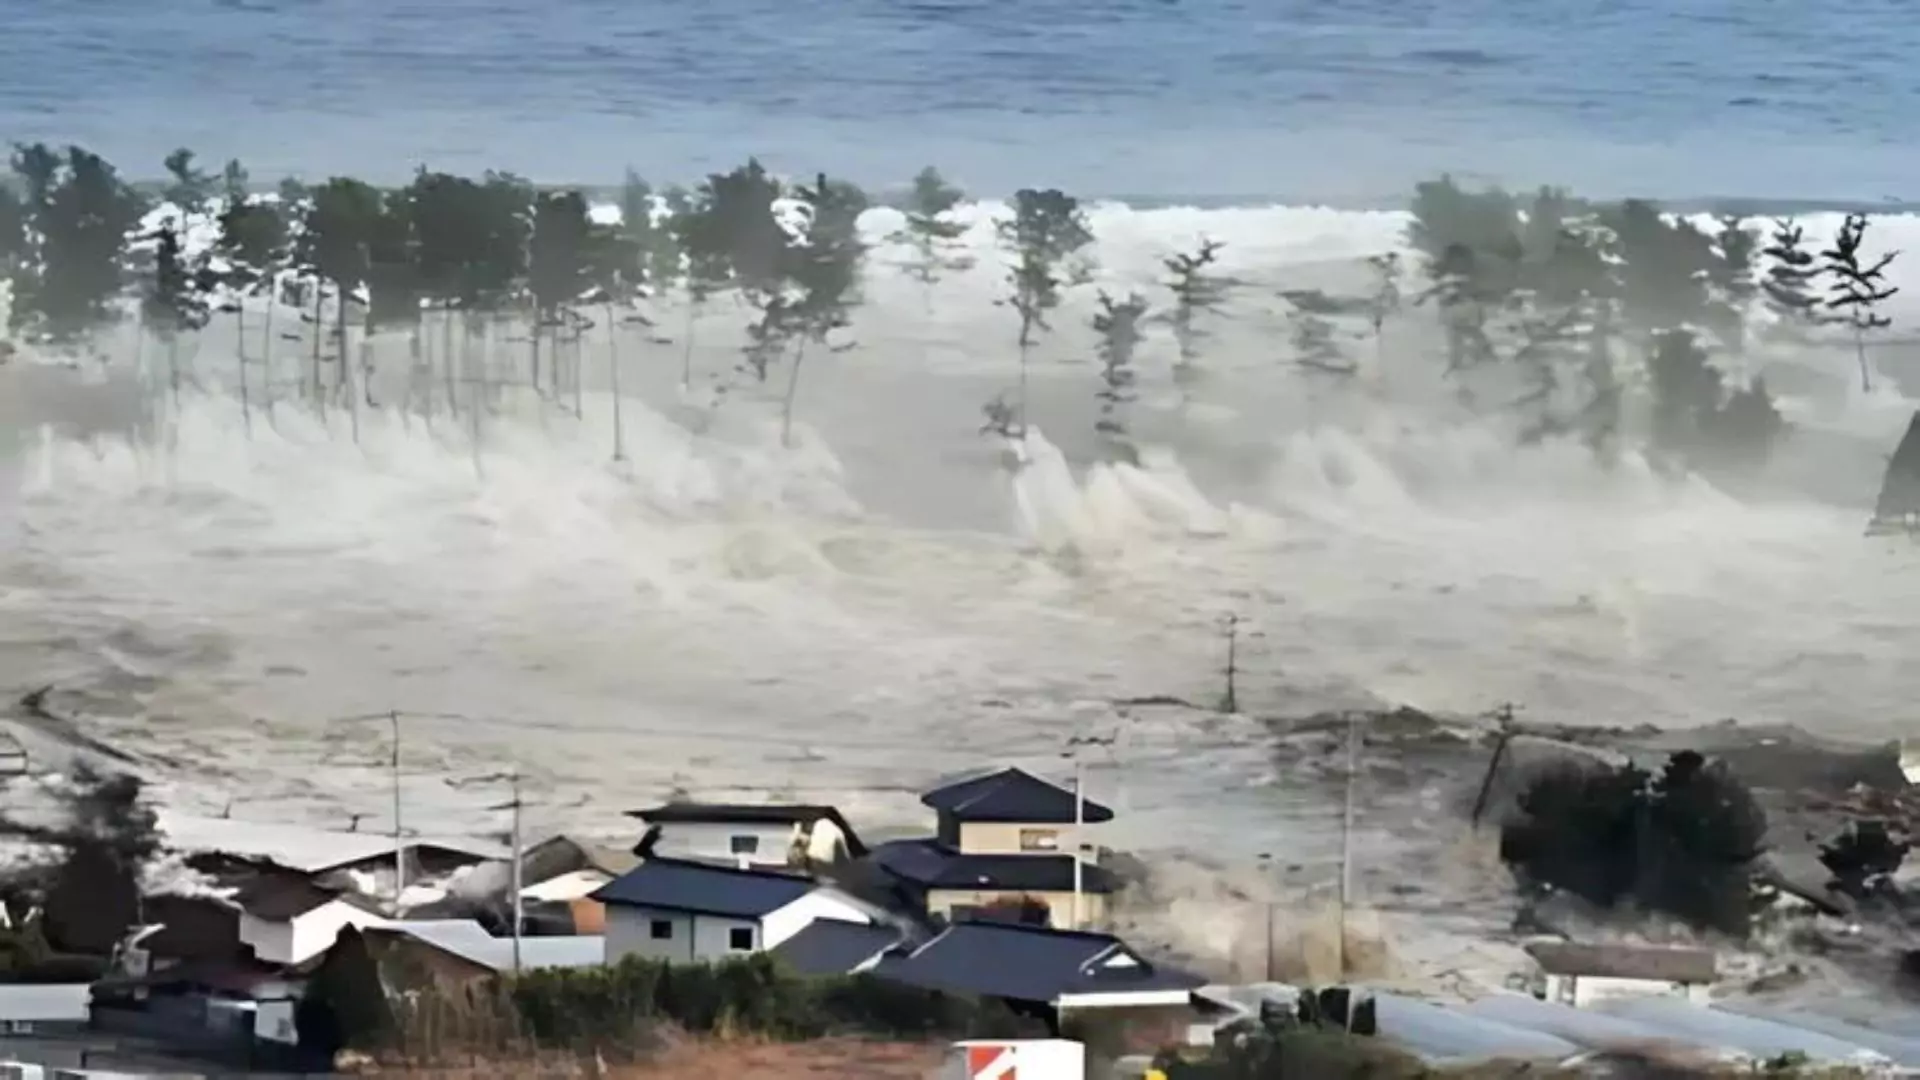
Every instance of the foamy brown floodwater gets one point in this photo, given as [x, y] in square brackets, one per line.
[885, 602]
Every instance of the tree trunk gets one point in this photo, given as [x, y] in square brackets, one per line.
[240, 353]
[686, 354]
[613, 381]
[267, 347]
[1860, 352]
[533, 352]
[319, 340]
[793, 390]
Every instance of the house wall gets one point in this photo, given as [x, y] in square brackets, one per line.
[782, 924]
[1583, 991]
[1093, 906]
[300, 939]
[691, 938]
[1005, 838]
[714, 841]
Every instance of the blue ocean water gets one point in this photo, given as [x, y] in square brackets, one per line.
[1346, 101]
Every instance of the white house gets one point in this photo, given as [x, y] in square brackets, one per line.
[675, 910]
[1580, 975]
[748, 835]
[290, 921]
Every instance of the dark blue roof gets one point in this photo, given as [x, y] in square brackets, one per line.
[1012, 795]
[703, 889]
[932, 865]
[833, 947]
[1028, 963]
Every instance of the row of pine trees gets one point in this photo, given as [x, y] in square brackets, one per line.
[1582, 301]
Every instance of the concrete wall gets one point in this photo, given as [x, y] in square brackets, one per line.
[689, 938]
[1010, 838]
[1093, 906]
[714, 841]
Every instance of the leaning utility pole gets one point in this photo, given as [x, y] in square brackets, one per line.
[515, 870]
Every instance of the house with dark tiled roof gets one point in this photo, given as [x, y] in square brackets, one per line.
[1060, 975]
[683, 910]
[834, 947]
[749, 834]
[1004, 847]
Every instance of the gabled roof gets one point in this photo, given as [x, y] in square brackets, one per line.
[932, 865]
[833, 947]
[750, 814]
[281, 898]
[470, 941]
[1028, 963]
[1011, 795]
[1657, 963]
[299, 847]
[703, 889]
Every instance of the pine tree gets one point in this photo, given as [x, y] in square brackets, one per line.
[1047, 227]
[734, 240]
[1316, 345]
[1198, 292]
[334, 248]
[1791, 280]
[1386, 299]
[557, 274]
[931, 231]
[80, 216]
[174, 303]
[1856, 289]
[1731, 281]
[825, 270]
[253, 243]
[189, 188]
[1120, 325]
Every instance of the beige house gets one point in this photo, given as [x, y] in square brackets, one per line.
[1004, 847]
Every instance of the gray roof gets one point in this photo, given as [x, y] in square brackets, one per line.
[471, 942]
[1625, 961]
[1028, 963]
[932, 865]
[833, 947]
[1012, 795]
[44, 1001]
[703, 889]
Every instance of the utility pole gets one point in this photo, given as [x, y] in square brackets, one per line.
[515, 870]
[1080, 817]
[1346, 853]
[399, 845]
[519, 910]
[1504, 714]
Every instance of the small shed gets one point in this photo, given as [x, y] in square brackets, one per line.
[36, 1008]
[1580, 975]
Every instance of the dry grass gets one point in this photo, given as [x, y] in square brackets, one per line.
[730, 1058]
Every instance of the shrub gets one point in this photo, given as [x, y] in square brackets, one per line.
[1683, 843]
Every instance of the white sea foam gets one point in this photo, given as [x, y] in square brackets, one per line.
[887, 600]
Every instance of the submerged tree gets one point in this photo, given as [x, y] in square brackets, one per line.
[253, 243]
[1856, 289]
[931, 231]
[338, 231]
[1696, 421]
[107, 833]
[1730, 279]
[174, 303]
[1684, 843]
[1791, 279]
[1385, 300]
[79, 218]
[824, 268]
[1198, 292]
[1120, 326]
[557, 271]
[1047, 227]
[1316, 344]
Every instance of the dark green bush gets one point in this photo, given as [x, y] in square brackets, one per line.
[1684, 843]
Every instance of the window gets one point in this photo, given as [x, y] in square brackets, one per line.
[740, 939]
[745, 845]
[660, 930]
[1039, 840]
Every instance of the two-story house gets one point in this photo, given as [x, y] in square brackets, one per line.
[1005, 846]
[686, 911]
